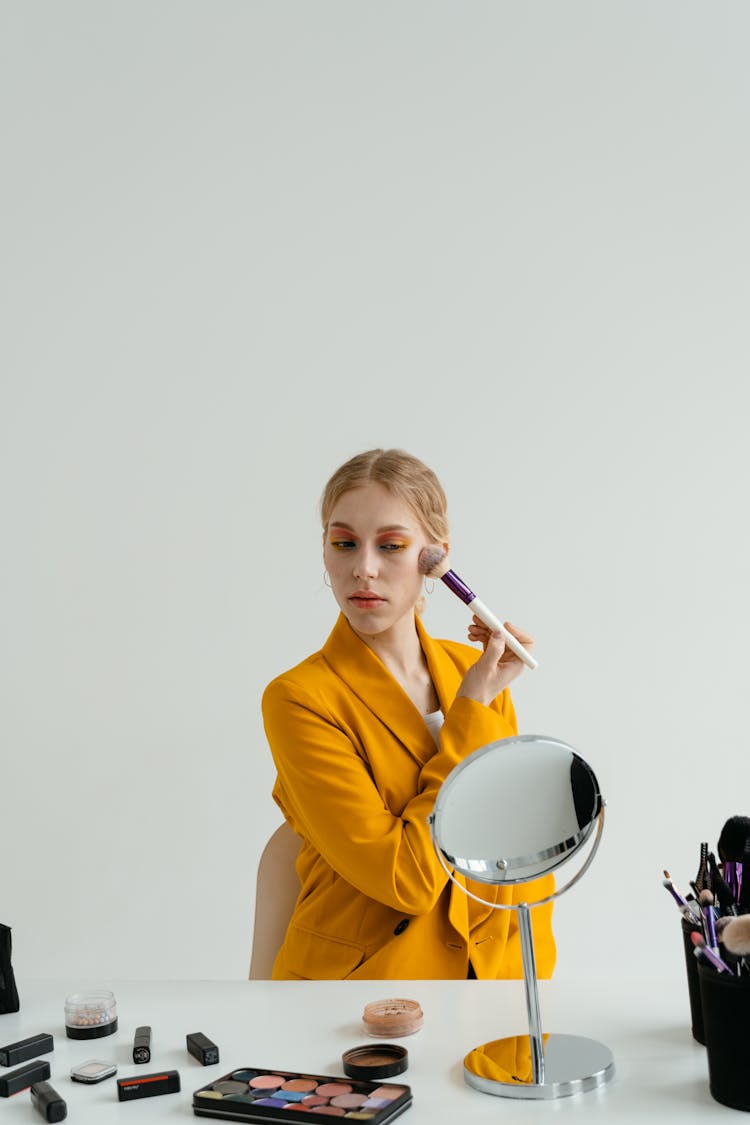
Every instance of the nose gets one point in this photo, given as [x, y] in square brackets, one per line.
[365, 563]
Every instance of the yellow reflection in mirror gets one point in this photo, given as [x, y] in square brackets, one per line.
[503, 1060]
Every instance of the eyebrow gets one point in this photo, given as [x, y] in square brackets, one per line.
[388, 527]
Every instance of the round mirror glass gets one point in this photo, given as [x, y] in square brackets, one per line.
[516, 809]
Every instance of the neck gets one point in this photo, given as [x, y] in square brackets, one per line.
[398, 647]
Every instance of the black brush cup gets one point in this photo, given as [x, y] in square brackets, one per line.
[725, 1000]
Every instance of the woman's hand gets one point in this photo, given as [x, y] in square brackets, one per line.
[497, 667]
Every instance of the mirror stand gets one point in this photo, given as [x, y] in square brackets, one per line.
[557, 808]
[557, 1066]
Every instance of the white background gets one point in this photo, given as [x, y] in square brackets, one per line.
[243, 241]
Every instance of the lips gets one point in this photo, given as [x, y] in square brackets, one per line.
[366, 599]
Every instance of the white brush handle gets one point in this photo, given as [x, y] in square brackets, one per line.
[487, 616]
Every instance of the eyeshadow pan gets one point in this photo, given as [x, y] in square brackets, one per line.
[390, 1093]
[349, 1101]
[305, 1085]
[230, 1087]
[266, 1081]
[333, 1089]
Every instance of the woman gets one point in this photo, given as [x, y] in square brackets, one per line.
[364, 732]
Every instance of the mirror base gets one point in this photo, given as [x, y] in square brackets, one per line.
[572, 1065]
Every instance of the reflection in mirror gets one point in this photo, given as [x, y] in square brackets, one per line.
[510, 812]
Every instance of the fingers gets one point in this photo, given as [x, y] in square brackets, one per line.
[523, 638]
[480, 633]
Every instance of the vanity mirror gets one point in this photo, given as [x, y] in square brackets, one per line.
[511, 812]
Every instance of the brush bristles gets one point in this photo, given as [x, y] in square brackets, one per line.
[433, 562]
[736, 935]
[706, 898]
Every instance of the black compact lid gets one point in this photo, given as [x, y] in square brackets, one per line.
[375, 1061]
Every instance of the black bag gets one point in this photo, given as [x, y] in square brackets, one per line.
[8, 992]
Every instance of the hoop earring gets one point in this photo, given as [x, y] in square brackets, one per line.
[429, 586]
[327, 580]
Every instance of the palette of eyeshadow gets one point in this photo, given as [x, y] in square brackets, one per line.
[263, 1095]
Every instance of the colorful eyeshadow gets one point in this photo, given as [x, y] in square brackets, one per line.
[266, 1081]
[305, 1085]
[390, 1093]
[230, 1087]
[260, 1094]
[349, 1101]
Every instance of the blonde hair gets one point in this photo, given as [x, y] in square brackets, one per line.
[406, 476]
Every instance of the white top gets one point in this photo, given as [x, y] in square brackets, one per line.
[435, 720]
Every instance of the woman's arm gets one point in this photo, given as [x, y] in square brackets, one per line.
[332, 800]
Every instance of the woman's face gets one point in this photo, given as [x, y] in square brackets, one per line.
[370, 550]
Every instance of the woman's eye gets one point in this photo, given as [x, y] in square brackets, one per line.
[343, 544]
[392, 546]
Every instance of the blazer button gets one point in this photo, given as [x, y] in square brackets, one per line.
[401, 927]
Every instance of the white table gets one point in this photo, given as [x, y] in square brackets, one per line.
[661, 1072]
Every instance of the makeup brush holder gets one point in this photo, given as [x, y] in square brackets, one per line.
[694, 991]
[725, 1000]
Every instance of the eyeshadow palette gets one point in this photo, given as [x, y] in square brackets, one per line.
[256, 1094]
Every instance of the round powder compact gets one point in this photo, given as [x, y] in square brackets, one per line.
[389, 1019]
[374, 1063]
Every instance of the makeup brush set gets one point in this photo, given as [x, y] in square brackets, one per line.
[716, 939]
[717, 912]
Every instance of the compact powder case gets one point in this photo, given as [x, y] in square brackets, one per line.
[375, 1062]
[391, 1019]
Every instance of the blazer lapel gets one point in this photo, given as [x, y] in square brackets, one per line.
[364, 673]
[445, 675]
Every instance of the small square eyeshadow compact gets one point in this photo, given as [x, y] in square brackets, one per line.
[260, 1094]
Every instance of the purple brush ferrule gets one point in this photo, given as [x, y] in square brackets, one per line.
[459, 588]
[702, 951]
[710, 928]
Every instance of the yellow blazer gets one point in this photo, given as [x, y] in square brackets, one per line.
[358, 775]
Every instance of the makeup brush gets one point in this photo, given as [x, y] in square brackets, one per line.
[434, 563]
[690, 913]
[702, 951]
[735, 832]
[721, 889]
[706, 901]
[735, 936]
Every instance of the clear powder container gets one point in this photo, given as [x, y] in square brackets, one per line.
[90, 1015]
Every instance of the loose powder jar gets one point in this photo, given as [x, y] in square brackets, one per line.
[90, 1015]
[392, 1019]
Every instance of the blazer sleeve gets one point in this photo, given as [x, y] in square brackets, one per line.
[331, 799]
